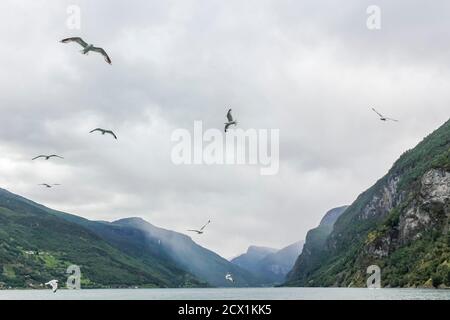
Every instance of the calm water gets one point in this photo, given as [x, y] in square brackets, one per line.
[228, 294]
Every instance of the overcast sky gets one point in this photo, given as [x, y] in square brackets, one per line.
[309, 68]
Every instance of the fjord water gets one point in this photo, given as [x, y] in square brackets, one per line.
[229, 294]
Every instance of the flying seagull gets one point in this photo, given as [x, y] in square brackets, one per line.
[49, 185]
[47, 157]
[230, 120]
[229, 277]
[53, 284]
[201, 229]
[87, 47]
[103, 131]
[383, 118]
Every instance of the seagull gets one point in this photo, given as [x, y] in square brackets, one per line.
[87, 47]
[47, 157]
[383, 118]
[201, 229]
[229, 277]
[230, 120]
[53, 284]
[103, 131]
[49, 185]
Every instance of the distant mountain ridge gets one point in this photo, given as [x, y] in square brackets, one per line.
[250, 259]
[269, 264]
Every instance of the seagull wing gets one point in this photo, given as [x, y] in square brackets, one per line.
[112, 133]
[41, 156]
[77, 40]
[392, 119]
[55, 156]
[229, 116]
[194, 231]
[226, 126]
[377, 112]
[97, 129]
[103, 53]
[201, 229]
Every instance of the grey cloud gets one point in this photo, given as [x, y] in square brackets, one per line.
[309, 68]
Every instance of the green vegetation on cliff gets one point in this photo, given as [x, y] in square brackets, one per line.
[400, 224]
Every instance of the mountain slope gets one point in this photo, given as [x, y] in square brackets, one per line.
[399, 224]
[270, 265]
[279, 264]
[169, 255]
[314, 245]
[36, 245]
[250, 259]
[179, 248]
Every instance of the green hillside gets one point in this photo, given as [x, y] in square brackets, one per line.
[400, 224]
[36, 246]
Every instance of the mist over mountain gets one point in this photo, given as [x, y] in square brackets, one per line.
[268, 264]
[249, 260]
[315, 243]
[181, 249]
[38, 244]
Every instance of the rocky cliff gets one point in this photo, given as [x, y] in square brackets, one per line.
[399, 224]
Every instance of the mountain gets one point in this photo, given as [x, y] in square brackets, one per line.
[268, 264]
[399, 224]
[37, 245]
[251, 258]
[277, 265]
[330, 218]
[314, 245]
[139, 238]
